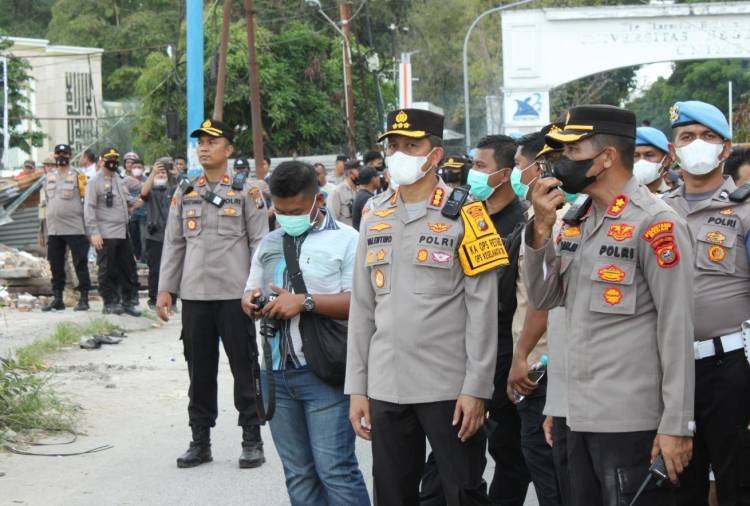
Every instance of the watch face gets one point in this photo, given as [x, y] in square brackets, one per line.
[309, 304]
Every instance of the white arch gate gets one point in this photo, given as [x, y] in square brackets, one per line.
[545, 48]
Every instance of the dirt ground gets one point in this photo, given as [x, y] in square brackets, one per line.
[133, 396]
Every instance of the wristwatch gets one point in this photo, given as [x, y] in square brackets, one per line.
[309, 304]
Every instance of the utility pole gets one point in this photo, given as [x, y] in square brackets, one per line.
[348, 92]
[257, 124]
[222, 75]
[6, 113]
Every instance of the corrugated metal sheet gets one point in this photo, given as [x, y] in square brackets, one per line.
[22, 232]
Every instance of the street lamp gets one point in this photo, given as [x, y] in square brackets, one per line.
[467, 120]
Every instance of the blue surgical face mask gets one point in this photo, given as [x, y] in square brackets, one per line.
[478, 184]
[295, 225]
[519, 187]
[570, 197]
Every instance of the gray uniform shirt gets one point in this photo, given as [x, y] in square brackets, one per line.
[207, 249]
[419, 329]
[722, 276]
[64, 203]
[341, 202]
[109, 222]
[624, 278]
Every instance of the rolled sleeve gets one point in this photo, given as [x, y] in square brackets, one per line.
[541, 273]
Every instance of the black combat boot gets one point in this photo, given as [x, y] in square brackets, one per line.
[130, 309]
[57, 303]
[199, 451]
[112, 308]
[83, 301]
[252, 447]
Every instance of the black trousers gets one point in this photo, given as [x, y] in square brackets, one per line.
[722, 439]
[204, 323]
[606, 469]
[398, 451]
[134, 233]
[536, 451]
[117, 271]
[511, 479]
[560, 457]
[79, 250]
[153, 254]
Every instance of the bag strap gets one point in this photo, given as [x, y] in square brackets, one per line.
[292, 264]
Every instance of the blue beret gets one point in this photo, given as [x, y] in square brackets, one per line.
[693, 111]
[650, 136]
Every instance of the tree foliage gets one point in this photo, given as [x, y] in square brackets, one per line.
[704, 80]
[19, 105]
[25, 18]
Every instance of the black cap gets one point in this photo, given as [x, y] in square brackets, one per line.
[341, 158]
[456, 162]
[366, 174]
[241, 163]
[62, 149]
[110, 153]
[415, 123]
[587, 120]
[214, 128]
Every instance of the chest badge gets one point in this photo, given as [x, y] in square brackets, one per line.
[379, 278]
[384, 213]
[230, 211]
[191, 212]
[716, 253]
[439, 228]
[422, 255]
[611, 274]
[231, 193]
[379, 227]
[192, 224]
[716, 237]
[380, 255]
[612, 296]
[727, 212]
[571, 231]
[621, 231]
[441, 257]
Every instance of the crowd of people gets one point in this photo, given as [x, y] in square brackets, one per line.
[573, 301]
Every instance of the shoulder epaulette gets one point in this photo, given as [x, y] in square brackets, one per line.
[740, 194]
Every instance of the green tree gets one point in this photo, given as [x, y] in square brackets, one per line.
[19, 106]
[128, 31]
[704, 80]
[24, 18]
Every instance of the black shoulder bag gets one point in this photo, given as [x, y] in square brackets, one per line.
[323, 339]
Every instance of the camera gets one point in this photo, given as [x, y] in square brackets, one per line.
[268, 326]
[167, 166]
[109, 199]
[152, 228]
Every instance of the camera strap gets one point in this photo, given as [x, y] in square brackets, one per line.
[292, 263]
[265, 413]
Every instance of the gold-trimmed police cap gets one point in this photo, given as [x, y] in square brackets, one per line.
[110, 153]
[214, 128]
[546, 149]
[587, 120]
[456, 162]
[414, 123]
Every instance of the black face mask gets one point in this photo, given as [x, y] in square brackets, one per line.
[111, 166]
[451, 176]
[61, 160]
[572, 173]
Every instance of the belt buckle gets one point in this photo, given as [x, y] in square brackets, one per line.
[704, 349]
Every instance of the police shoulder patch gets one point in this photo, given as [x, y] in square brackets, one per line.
[481, 249]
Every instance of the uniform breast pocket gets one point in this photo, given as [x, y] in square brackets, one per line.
[230, 220]
[716, 249]
[191, 221]
[67, 191]
[433, 270]
[613, 288]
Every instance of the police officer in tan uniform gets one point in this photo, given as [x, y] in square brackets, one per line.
[64, 191]
[341, 201]
[212, 231]
[622, 274]
[422, 325]
[719, 219]
[107, 206]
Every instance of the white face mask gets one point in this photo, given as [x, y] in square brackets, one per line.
[137, 172]
[699, 157]
[405, 169]
[663, 187]
[646, 172]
